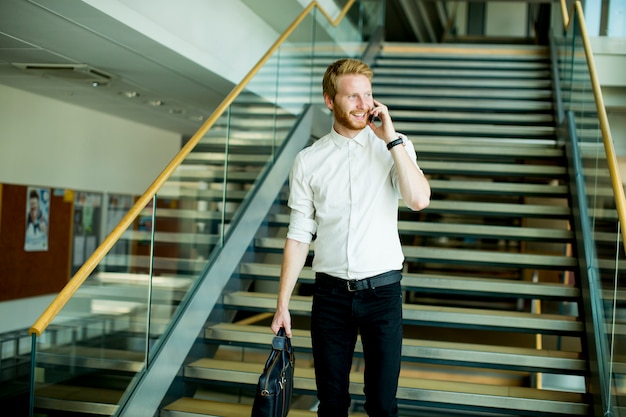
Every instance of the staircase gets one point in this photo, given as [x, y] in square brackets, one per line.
[491, 304]
[491, 292]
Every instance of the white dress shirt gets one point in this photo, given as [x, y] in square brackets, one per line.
[346, 191]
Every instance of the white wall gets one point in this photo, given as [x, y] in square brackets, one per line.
[21, 314]
[506, 18]
[50, 143]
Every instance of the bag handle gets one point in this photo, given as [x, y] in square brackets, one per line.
[281, 341]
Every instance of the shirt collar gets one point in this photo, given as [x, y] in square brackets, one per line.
[341, 141]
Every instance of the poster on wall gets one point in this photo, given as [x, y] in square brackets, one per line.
[86, 229]
[37, 219]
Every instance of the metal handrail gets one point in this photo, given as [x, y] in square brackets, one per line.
[607, 139]
[90, 264]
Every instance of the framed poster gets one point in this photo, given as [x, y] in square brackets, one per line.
[37, 219]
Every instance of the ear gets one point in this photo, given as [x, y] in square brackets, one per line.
[328, 101]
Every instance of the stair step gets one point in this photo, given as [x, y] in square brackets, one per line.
[495, 209]
[78, 399]
[539, 148]
[204, 173]
[474, 129]
[92, 358]
[423, 390]
[475, 104]
[464, 72]
[430, 315]
[217, 157]
[466, 230]
[478, 65]
[424, 351]
[489, 258]
[499, 188]
[194, 407]
[447, 284]
[466, 117]
[451, 147]
[491, 169]
[191, 238]
[467, 51]
[464, 256]
[470, 91]
[189, 214]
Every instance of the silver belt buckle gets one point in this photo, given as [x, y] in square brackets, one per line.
[351, 285]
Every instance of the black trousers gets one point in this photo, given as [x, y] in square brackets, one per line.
[338, 315]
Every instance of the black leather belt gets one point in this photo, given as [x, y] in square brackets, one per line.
[352, 285]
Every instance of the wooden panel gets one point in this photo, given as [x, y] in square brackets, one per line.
[23, 273]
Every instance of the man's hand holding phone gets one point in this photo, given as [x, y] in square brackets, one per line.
[385, 131]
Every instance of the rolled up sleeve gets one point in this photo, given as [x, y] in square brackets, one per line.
[302, 224]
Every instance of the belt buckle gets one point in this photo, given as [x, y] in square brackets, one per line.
[351, 285]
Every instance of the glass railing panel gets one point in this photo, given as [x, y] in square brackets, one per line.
[578, 97]
[15, 347]
[191, 210]
[96, 344]
[106, 334]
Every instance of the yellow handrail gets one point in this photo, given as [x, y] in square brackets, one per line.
[616, 182]
[90, 264]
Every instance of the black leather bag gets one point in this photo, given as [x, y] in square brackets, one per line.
[275, 387]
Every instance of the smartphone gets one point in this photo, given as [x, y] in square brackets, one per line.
[372, 118]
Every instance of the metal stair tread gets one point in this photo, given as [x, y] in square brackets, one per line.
[548, 148]
[188, 214]
[446, 283]
[464, 256]
[503, 84]
[466, 51]
[511, 398]
[501, 188]
[69, 398]
[483, 168]
[478, 64]
[468, 73]
[172, 237]
[469, 103]
[441, 228]
[430, 351]
[467, 147]
[199, 407]
[468, 91]
[474, 128]
[474, 117]
[490, 258]
[458, 316]
[92, 358]
[499, 209]
[232, 158]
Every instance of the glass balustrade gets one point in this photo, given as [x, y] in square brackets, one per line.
[578, 97]
[103, 338]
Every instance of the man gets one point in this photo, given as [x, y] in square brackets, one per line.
[344, 191]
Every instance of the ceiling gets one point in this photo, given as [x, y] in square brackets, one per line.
[70, 51]
[79, 55]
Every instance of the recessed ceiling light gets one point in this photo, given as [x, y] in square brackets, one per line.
[130, 94]
[155, 103]
[176, 111]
